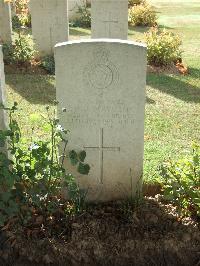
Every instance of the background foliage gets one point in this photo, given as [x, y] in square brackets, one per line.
[163, 47]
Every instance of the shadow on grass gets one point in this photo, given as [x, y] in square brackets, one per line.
[141, 29]
[176, 86]
[77, 32]
[194, 72]
[36, 89]
[165, 27]
[150, 101]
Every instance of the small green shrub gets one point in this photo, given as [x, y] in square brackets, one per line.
[22, 20]
[48, 63]
[181, 182]
[21, 51]
[25, 20]
[135, 2]
[22, 17]
[16, 24]
[35, 176]
[83, 16]
[163, 47]
[142, 15]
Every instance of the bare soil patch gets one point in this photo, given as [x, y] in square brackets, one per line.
[33, 68]
[176, 69]
[109, 234]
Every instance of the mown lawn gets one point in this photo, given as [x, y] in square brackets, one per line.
[173, 101]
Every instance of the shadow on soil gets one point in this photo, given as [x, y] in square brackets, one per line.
[114, 234]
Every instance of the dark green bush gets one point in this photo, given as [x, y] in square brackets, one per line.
[16, 24]
[21, 21]
[181, 182]
[48, 63]
[21, 51]
[83, 16]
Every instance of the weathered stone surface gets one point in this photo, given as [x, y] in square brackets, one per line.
[5, 22]
[49, 23]
[110, 19]
[101, 83]
[73, 8]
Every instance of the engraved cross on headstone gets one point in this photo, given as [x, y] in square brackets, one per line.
[110, 21]
[101, 149]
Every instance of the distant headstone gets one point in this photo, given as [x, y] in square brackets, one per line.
[73, 6]
[2, 93]
[109, 19]
[5, 22]
[49, 23]
[104, 95]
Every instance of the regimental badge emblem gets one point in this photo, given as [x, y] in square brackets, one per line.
[101, 73]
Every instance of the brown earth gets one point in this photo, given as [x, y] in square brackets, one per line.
[24, 69]
[35, 68]
[111, 234]
[176, 69]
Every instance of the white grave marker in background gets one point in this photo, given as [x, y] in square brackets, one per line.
[109, 19]
[5, 22]
[49, 23]
[101, 83]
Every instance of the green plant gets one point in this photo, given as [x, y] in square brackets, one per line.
[8, 53]
[84, 16]
[21, 20]
[35, 176]
[21, 6]
[48, 63]
[181, 182]
[25, 20]
[21, 51]
[142, 15]
[163, 47]
[16, 24]
[22, 17]
[135, 2]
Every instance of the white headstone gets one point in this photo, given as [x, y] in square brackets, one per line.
[101, 83]
[49, 23]
[109, 19]
[2, 94]
[5, 22]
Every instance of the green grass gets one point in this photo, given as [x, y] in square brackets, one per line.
[173, 101]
